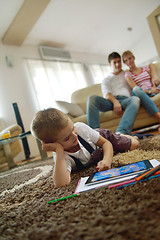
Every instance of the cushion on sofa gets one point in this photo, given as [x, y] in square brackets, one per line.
[70, 108]
[80, 96]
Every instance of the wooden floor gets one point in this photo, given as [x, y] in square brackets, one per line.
[151, 129]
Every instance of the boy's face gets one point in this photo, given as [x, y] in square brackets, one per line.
[68, 137]
[116, 65]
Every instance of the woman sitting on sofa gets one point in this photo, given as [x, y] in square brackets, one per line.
[142, 83]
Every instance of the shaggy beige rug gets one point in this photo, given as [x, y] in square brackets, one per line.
[131, 213]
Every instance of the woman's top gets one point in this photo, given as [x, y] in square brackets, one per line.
[143, 79]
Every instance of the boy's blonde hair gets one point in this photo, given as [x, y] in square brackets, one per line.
[48, 123]
[127, 53]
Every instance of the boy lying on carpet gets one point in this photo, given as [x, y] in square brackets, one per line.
[77, 146]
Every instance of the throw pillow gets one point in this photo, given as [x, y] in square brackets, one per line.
[70, 108]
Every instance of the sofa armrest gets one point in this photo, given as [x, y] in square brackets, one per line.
[13, 129]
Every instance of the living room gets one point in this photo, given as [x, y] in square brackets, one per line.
[89, 30]
[32, 207]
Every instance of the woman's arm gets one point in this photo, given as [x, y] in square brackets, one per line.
[107, 147]
[61, 174]
[155, 80]
[130, 82]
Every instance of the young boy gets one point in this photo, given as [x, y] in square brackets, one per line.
[75, 144]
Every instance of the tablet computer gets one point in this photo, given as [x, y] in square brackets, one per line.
[114, 173]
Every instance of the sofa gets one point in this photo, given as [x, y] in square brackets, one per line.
[15, 146]
[108, 119]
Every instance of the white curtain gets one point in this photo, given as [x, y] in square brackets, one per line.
[55, 80]
[99, 72]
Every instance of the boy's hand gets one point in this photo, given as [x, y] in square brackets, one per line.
[107, 147]
[103, 165]
[51, 147]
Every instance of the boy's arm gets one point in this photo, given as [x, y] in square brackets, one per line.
[107, 147]
[61, 173]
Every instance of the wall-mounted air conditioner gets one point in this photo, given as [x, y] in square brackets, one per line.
[51, 53]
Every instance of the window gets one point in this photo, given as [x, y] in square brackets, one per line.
[54, 81]
[99, 72]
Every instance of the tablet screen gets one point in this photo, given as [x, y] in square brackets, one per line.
[118, 172]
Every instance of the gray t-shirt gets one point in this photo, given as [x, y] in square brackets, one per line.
[116, 85]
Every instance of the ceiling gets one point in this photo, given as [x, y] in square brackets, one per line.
[93, 26]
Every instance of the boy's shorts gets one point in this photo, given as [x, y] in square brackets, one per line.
[119, 142]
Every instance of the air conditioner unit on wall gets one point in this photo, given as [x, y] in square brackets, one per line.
[51, 53]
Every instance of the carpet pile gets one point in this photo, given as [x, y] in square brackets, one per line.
[130, 213]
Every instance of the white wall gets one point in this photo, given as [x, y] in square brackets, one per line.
[144, 50]
[15, 85]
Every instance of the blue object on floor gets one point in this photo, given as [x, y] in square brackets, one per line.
[142, 136]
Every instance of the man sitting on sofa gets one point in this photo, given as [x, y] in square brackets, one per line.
[116, 96]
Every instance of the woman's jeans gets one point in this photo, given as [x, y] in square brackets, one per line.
[146, 101]
[95, 104]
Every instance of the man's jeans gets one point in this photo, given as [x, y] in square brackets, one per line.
[146, 101]
[95, 104]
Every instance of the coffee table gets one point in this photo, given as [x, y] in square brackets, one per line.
[5, 142]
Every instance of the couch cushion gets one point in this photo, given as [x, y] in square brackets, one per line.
[80, 96]
[82, 118]
[70, 108]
